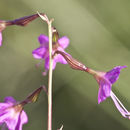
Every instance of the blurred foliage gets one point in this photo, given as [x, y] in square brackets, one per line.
[99, 32]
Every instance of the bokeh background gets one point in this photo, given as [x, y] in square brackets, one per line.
[99, 32]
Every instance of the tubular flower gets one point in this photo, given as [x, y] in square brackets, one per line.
[124, 112]
[43, 51]
[12, 114]
[105, 81]
[23, 21]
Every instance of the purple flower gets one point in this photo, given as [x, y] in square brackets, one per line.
[12, 114]
[105, 81]
[124, 112]
[43, 51]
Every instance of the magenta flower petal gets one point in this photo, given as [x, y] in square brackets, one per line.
[12, 114]
[113, 74]
[23, 119]
[43, 39]
[9, 100]
[0, 39]
[39, 53]
[47, 64]
[104, 91]
[63, 41]
[12, 122]
[43, 51]
[105, 81]
[3, 106]
[60, 58]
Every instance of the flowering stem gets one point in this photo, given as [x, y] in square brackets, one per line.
[49, 22]
[50, 77]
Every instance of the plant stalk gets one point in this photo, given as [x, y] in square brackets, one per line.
[50, 77]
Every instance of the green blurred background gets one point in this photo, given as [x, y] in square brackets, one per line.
[99, 32]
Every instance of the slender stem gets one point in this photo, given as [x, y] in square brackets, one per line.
[50, 77]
